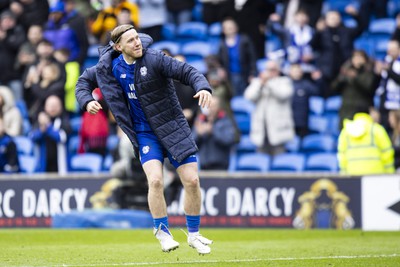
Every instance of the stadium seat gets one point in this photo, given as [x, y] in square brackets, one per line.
[393, 7]
[245, 145]
[76, 124]
[27, 163]
[173, 47]
[215, 29]
[333, 104]
[382, 27]
[197, 12]
[322, 162]
[292, 162]
[112, 142]
[293, 146]
[318, 123]
[366, 44]
[333, 124]
[314, 143]
[73, 144]
[338, 5]
[380, 45]
[196, 50]
[191, 31]
[199, 64]
[107, 163]
[87, 162]
[261, 63]
[168, 31]
[93, 51]
[242, 110]
[239, 104]
[316, 104]
[24, 145]
[21, 105]
[253, 162]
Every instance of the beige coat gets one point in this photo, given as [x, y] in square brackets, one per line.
[11, 114]
[273, 113]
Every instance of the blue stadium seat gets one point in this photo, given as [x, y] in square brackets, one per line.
[322, 162]
[198, 64]
[260, 63]
[173, 47]
[382, 27]
[380, 45]
[316, 104]
[293, 146]
[215, 29]
[21, 105]
[292, 162]
[393, 7]
[314, 143]
[27, 163]
[191, 31]
[242, 110]
[24, 145]
[197, 11]
[196, 50]
[318, 123]
[253, 162]
[76, 124]
[333, 124]
[73, 144]
[168, 31]
[239, 104]
[86, 162]
[366, 44]
[108, 161]
[245, 145]
[333, 104]
[93, 51]
[337, 5]
[112, 142]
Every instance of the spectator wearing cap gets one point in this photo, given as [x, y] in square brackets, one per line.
[60, 33]
[12, 36]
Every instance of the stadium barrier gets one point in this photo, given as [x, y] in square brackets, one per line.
[248, 199]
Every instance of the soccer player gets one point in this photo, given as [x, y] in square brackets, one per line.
[137, 83]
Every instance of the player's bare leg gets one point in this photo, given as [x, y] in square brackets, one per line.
[188, 174]
[157, 205]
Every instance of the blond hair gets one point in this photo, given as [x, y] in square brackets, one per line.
[119, 31]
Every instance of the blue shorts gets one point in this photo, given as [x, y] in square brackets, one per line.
[151, 148]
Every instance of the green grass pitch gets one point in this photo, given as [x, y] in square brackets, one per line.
[232, 247]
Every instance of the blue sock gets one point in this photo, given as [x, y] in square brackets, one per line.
[164, 223]
[193, 223]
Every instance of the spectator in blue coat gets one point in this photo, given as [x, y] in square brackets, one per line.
[50, 134]
[137, 84]
[8, 152]
[215, 135]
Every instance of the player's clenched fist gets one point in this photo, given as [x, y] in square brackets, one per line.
[93, 107]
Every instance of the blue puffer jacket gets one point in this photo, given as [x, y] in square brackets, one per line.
[154, 87]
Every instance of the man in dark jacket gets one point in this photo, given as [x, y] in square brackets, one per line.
[137, 85]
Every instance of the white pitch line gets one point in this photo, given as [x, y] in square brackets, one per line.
[232, 261]
[224, 261]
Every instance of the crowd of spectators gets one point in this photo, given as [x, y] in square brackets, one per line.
[275, 54]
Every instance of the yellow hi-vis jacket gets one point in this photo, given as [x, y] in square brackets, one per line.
[364, 147]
